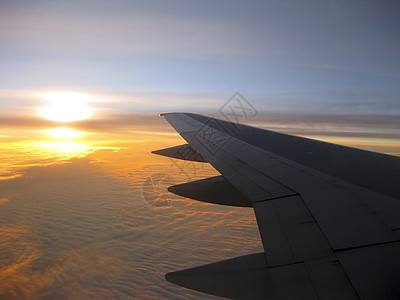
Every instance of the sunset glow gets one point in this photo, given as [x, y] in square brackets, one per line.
[66, 107]
[68, 147]
[64, 133]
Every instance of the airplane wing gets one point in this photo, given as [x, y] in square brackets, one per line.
[328, 215]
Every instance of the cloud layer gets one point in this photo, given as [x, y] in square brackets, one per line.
[74, 230]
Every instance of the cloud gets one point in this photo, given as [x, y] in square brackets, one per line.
[376, 132]
[98, 30]
[84, 228]
[92, 235]
[74, 168]
[4, 200]
[347, 125]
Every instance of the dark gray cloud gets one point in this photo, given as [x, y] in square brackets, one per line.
[110, 123]
[346, 125]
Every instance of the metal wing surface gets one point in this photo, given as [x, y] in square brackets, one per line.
[328, 215]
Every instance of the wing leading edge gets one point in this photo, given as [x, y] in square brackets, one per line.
[326, 233]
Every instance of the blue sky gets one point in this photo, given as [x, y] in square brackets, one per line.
[315, 57]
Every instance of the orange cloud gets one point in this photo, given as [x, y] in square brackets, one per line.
[4, 200]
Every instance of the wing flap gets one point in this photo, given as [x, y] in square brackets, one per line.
[249, 277]
[215, 190]
[374, 270]
[345, 220]
[289, 232]
[184, 152]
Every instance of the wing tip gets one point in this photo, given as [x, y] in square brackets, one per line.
[172, 113]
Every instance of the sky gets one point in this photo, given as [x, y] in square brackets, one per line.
[307, 58]
[285, 56]
[81, 87]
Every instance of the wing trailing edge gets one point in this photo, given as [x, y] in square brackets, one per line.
[250, 277]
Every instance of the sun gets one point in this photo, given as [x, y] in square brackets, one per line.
[66, 106]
